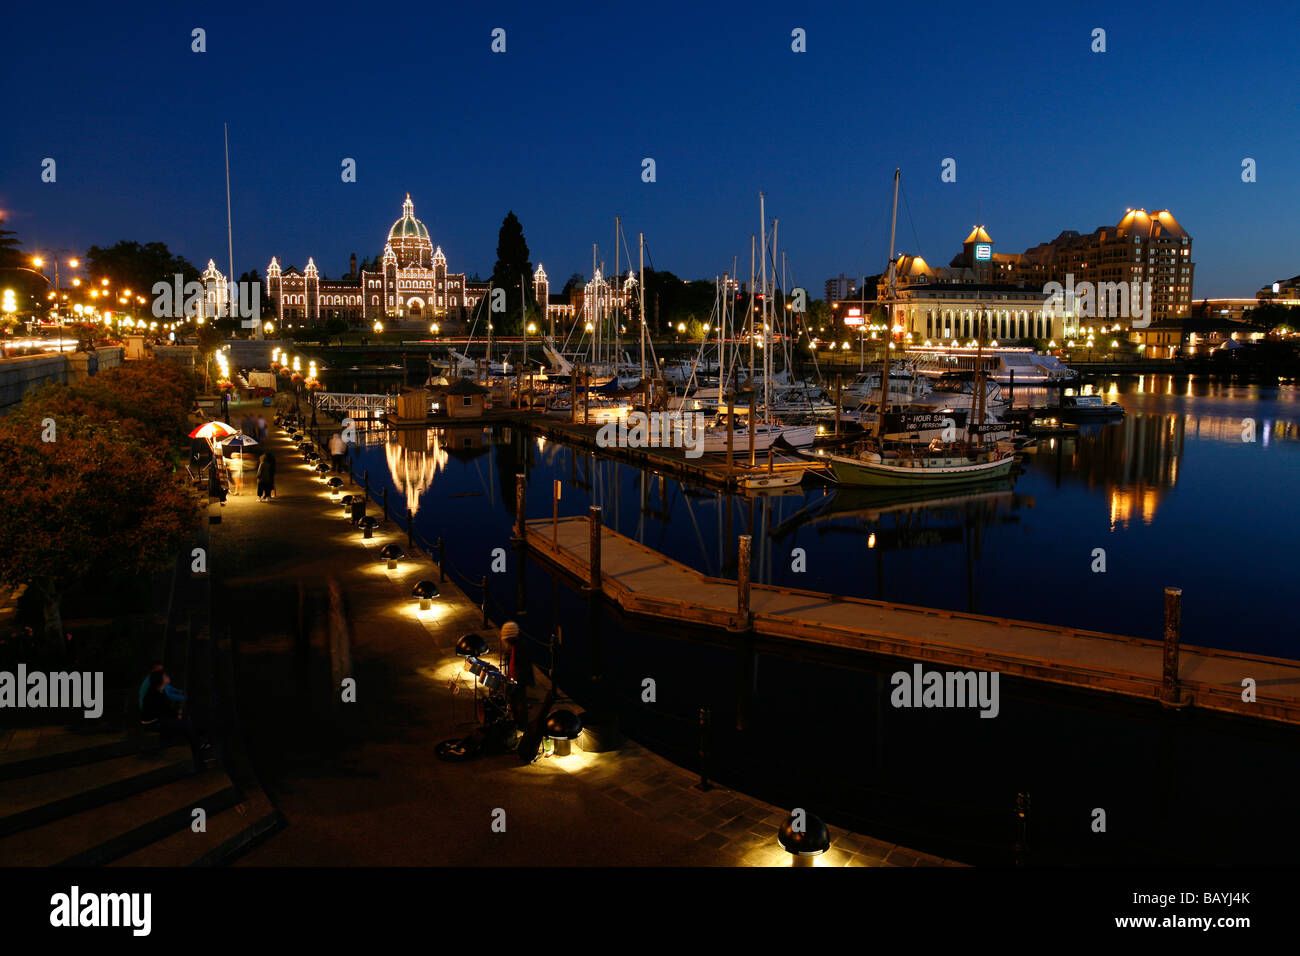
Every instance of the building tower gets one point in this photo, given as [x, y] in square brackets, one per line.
[311, 291]
[542, 293]
[274, 288]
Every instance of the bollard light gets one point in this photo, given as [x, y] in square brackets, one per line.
[804, 837]
[322, 469]
[348, 502]
[426, 591]
[368, 524]
[336, 486]
[471, 645]
[563, 727]
[392, 553]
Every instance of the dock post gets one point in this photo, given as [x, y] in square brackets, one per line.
[442, 561]
[1011, 389]
[555, 513]
[385, 502]
[365, 481]
[704, 749]
[593, 553]
[742, 581]
[1169, 693]
[485, 587]
[586, 396]
[410, 530]
[1022, 827]
[521, 490]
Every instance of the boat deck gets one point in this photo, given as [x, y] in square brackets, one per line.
[644, 582]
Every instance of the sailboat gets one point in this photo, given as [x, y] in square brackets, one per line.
[880, 464]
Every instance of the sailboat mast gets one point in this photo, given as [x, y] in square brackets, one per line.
[617, 302]
[762, 222]
[889, 309]
[640, 311]
[722, 335]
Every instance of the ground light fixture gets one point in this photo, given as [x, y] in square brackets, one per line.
[348, 502]
[425, 592]
[804, 837]
[336, 484]
[367, 524]
[392, 553]
[322, 469]
[563, 727]
[471, 645]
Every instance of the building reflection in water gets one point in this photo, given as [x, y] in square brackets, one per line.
[415, 456]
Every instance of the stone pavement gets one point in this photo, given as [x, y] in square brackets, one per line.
[358, 783]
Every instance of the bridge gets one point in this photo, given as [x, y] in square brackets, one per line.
[352, 405]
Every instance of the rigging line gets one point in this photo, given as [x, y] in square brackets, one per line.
[907, 206]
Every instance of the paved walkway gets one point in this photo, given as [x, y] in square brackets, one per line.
[359, 783]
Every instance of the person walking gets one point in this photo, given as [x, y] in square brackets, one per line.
[338, 450]
[266, 477]
[261, 429]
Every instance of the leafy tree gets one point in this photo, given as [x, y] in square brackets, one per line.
[137, 267]
[97, 501]
[28, 287]
[511, 267]
[575, 282]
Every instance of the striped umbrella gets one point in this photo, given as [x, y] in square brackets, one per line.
[213, 430]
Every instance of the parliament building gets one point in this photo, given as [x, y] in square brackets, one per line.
[411, 285]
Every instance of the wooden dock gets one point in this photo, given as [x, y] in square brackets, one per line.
[646, 583]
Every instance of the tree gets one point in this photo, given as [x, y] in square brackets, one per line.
[97, 500]
[576, 282]
[134, 266]
[513, 272]
[14, 264]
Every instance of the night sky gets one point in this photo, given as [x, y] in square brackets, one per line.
[1047, 134]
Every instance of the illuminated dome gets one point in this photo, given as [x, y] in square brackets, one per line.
[1159, 223]
[410, 239]
[977, 235]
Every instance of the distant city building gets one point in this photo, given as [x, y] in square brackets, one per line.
[412, 284]
[1141, 248]
[1281, 292]
[939, 305]
[841, 287]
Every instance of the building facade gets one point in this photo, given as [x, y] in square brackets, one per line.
[412, 284]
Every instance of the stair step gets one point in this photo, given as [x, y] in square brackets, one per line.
[70, 750]
[229, 834]
[100, 834]
[38, 799]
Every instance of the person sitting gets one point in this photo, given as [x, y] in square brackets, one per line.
[161, 713]
[171, 690]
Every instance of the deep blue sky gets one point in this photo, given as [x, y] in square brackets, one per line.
[1047, 135]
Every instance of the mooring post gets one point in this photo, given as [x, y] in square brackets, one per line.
[365, 481]
[442, 561]
[1173, 627]
[555, 513]
[742, 581]
[385, 503]
[750, 425]
[593, 554]
[839, 386]
[521, 486]
[1022, 827]
[704, 749]
[485, 587]
[410, 530]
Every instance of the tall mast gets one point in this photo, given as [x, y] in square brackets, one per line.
[749, 318]
[616, 302]
[640, 311]
[722, 334]
[230, 241]
[762, 222]
[889, 308]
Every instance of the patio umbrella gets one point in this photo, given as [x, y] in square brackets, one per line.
[240, 442]
[213, 429]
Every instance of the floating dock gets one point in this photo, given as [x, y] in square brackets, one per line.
[646, 583]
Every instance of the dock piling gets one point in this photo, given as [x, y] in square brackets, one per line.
[1169, 693]
[442, 562]
[742, 580]
[521, 491]
[593, 515]
[1022, 827]
[555, 512]
[704, 749]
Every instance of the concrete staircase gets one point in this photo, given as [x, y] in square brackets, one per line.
[121, 799]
